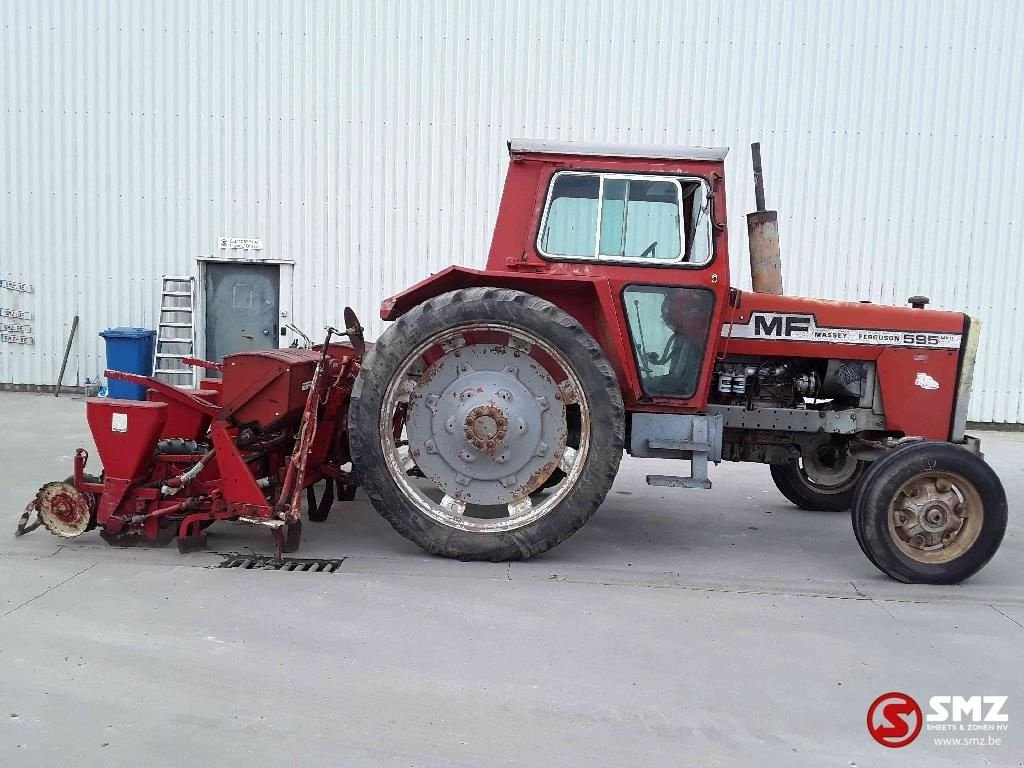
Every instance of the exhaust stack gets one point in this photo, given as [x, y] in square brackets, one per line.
[763, 236]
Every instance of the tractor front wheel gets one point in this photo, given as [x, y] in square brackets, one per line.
[930, 513]
[462, 411]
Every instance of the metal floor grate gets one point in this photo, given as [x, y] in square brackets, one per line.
[264, 563]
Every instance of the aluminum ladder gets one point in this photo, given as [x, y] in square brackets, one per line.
[176, 332]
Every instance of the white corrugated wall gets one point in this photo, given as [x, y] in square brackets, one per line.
[365, 141]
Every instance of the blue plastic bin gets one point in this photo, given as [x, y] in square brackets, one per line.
[129, 350]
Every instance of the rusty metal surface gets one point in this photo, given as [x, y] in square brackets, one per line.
[765, 256]
[64, 510]
[486, 426]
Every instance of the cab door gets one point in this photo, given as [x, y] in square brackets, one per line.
[653, 237]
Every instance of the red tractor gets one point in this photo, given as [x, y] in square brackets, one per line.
[488, 421]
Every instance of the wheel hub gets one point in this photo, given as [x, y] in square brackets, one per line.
[928, 514]
[486, 424]
[829, 466]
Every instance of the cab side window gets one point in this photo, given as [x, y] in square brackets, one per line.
[615, 216]
[669, 329]
[572, 215]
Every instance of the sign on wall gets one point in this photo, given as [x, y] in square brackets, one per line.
[14, 325]
[241, 243]
[16, 285]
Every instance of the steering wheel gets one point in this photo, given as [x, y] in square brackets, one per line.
[649, 250]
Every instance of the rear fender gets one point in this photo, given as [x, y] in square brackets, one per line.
[589, 299]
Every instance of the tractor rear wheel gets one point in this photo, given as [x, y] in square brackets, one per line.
[930, 513]
[459, 414]
[824, 480]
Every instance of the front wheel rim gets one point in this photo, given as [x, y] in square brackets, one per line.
[480, 411]
[935, 517]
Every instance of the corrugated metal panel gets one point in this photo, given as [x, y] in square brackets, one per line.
[365, 141]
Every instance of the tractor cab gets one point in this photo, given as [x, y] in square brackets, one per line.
[632, 240]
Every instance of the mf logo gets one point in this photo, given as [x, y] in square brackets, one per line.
[975, 709]
[781, 325]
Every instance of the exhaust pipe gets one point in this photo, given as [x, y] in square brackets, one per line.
[763, 236]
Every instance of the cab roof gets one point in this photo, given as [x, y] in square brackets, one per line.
[652, 151]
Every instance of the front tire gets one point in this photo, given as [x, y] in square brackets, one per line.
[930, 513]
[470, 389]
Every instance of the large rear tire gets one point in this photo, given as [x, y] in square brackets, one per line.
[470, 390]
[930, 513]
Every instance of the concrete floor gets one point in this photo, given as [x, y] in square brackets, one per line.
[678, 627]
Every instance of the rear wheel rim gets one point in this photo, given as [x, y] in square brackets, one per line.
[480, 411]
[935, 517]
[829, 469]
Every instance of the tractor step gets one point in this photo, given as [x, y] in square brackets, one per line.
[677, 481]
[696, 437]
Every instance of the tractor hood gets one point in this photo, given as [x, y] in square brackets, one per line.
[821, 321]
[924, 358]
